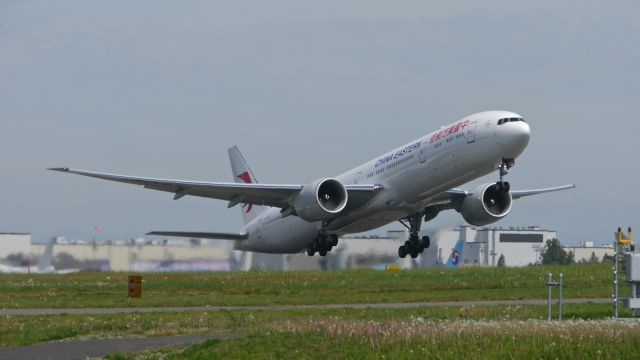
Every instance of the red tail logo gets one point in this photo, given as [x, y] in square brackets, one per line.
[455, 257]
[247, 179]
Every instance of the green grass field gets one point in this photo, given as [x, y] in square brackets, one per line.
[431, 332]
[418, 339]
[97, 289]
[23, 330]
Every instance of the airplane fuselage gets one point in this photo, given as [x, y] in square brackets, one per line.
[411, 176]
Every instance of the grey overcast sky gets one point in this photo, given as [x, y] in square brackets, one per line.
[306, 89]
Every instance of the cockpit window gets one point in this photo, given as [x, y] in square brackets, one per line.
[506, 120]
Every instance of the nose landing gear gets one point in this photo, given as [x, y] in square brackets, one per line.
[415, 245]
[503, 186]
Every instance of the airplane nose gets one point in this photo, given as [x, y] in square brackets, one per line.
[516, 137]
[523, 132]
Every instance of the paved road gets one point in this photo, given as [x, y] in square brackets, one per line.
[81, 349]
[88, 311]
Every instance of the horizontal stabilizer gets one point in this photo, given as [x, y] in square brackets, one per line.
[202, 235]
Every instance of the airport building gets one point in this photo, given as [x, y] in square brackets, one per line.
[14, 243]
[140, 257]
[587, 251]
[520, 246]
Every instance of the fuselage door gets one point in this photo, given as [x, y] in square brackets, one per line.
[423, 153]
[471, 132]
[356, 180]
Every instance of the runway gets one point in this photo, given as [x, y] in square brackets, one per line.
[81, 349]
[124, 310]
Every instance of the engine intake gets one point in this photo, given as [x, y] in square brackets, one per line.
[486, 205]
[321, 200]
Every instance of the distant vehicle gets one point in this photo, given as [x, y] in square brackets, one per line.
[409, 184]
[44, 265]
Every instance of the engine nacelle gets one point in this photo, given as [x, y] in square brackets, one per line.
[321, 200]
[486, 205]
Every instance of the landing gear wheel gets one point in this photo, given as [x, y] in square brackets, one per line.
[323, 243]
[425, 242]
[402, 252]
[503, 187]
[413, 246]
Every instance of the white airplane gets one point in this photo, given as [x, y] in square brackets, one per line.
[408, 184]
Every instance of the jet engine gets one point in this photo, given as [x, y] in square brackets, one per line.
[321, 200]
[486, 205]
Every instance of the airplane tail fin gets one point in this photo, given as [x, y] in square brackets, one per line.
[242, 173]
[45, 263]
[456, 255]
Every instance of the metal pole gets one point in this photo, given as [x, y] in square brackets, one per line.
[549, 298]
[560, 298]
[615, 280]
[634, 295]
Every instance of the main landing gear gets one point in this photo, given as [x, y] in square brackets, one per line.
[322, 244]
[415, 245]
[503, 186]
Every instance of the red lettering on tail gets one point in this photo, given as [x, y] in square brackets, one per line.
[247, 179]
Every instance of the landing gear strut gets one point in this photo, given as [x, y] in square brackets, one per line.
[414, 245]
[503, 186]
[322, 244]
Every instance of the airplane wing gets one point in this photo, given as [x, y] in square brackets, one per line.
[449, 199]
[522, 193]
[277, 195]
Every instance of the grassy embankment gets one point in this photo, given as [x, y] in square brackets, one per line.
[98, 289]
[23, 330]
[479, 331]
[416, 339]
